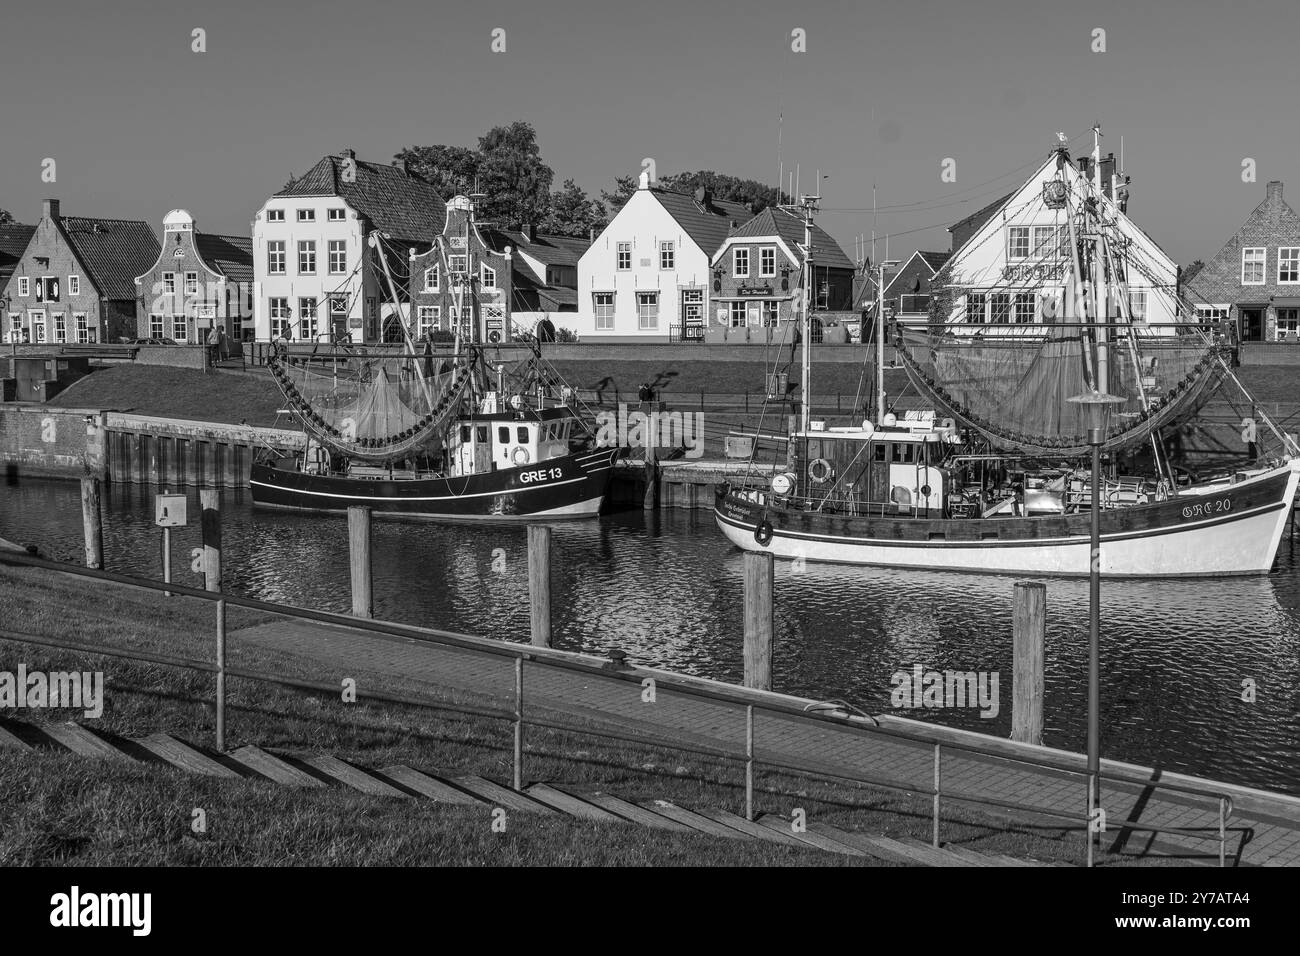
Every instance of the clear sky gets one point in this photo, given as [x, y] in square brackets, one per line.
[885, 92]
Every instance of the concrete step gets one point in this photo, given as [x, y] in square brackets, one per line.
[11, 740]
[344, 774]
[811, 837]
[754, 829]
[498, 796]
[273, 768]
[635, 814]
[184, 756]
[973, 857]
[431, 788]
[881, 848]
[695, 821]
[570, 805]
[84, 742]
[938, 857]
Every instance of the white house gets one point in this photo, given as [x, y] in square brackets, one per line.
[648, 273]
[317, 275]
[1013, 268]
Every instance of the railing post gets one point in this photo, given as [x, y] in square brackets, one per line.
[937, 781]
[359, 560]
[1028, 629]
[749, 761]
[1087, 828]
[221, 675]
[519, 723]
[210, 523]
[1223, 834]
[539, 584]
[92, 520]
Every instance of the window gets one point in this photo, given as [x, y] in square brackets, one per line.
[692, 306]
[1288, 324]
[337, 215]
[740, 263]
[1288, 265]
[975, 306]
[279, 313]
[338, 257]
[503, 434]
[169, 283]
[1017, 242]
[74, 285]
[458, 264]
[180, 328]
[38, 329]
[307, 318]
[155, 325]
[307, 257]
[427, 319]
[769, 313]
[488, 276]
[275, 215]
[24, 286]
[1024, 308]
[60, 327]
[83, 330]
[1000, 307]
[431, 279]
[1137, 306]
[1050, 241]
[1212, 313]
[603, 304]
[1252, 266]
[275, 258]
[624, 258]
[521, 434]
[767, 261]
[647, 310]
[737, 314]
[306, 215]
[824, 293]
[913, 304]
[667, 256]
[191, 283]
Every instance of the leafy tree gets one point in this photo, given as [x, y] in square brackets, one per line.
[754, 195]
[516, 182]
[1191, 271]
[453, 170]
[5, 216]
[572, 213]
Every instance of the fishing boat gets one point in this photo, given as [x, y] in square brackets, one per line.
[994, 476]
[472, 435]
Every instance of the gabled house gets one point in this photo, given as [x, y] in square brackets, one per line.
[317, 275]
[647, 276]
[199, 280]
[907, 288]
[1013, 267]
[756, 273]
[75, 280]
[14, 237]
[1254, 279]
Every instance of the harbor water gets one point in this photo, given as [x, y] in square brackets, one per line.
[666, 588]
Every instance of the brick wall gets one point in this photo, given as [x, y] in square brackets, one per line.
[49, 442]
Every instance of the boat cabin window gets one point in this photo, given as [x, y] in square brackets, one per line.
[481, 433]
[503, 434]
[464, 433]
[878, 452]
[522, 433]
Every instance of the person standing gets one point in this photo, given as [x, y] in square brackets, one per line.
[214, 347]
[1248, 436]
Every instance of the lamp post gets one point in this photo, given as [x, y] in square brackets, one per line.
[1096, 407]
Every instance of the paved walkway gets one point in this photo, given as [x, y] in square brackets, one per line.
[1263, 830]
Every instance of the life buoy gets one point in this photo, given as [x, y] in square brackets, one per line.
[763, 531]
[820, 471]
[519, 455]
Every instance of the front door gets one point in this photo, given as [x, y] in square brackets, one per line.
[1252, 325]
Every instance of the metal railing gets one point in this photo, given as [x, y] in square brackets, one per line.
[835, 714]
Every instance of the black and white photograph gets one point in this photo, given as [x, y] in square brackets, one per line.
[596, 436]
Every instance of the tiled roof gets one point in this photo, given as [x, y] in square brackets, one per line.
[559, 297]
[551, 250]
[14, 237]
[232, 256]
[789, 227]
[400, 203]
[112, 251]
[981, 216]
[708, 228]
[935, 260]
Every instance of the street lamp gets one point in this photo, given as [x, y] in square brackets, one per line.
[1096, 407]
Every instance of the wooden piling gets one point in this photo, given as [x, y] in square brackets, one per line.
[92, 521]
[539, 583]
[759, 621]
[651, 441]
[359, 559]
[1029, 628]
[210, 523]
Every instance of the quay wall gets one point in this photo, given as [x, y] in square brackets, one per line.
[44, 442]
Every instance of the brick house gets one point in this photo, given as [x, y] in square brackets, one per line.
[75, 281]
[466, 262]
[756, 281]
[14, 237]
[1254, 280]
[199, 279]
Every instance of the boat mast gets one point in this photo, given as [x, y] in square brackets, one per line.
[880, 343]
[1101, 302]
[810, 207]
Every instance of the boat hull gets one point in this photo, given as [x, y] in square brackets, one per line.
[573, 486]
[1218, 530]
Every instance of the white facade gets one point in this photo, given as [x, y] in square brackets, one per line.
[640, 276]
[1015, 269]
[312, 249]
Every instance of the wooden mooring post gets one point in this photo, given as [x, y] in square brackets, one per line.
[359, 560]
[210, 526]
[759, 621]
[539, 583]
[651, 435]
[1029, 628]
[92, 521]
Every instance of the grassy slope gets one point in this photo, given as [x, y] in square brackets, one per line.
[178, 393]
[45, 818]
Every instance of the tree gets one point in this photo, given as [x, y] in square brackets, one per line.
[1191, 271]
[5, 216]
[516, 182]
[750, 193]
[452, 170]
[624, 187]
[572, 213]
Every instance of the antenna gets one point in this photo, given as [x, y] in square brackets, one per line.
[780, 165]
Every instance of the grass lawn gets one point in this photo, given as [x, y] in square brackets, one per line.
[55, 808]
[164, 392]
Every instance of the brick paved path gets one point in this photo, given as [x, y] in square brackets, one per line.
[1264, 829]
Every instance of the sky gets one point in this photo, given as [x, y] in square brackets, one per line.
[138, 123]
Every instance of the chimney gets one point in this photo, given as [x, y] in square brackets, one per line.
[530, 230]
[349, 153]
[406, 169]
[1274, 196]
[1274, 191]
[1084, 163]
[704, 197]
[643, 181]
[591, 234]
[1107, 172]
[50, 208]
